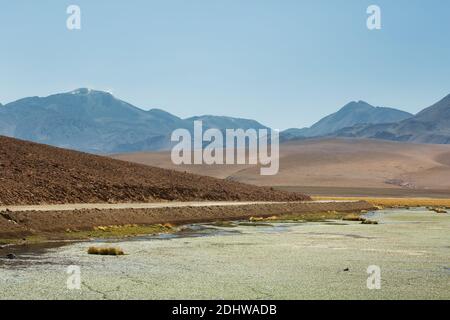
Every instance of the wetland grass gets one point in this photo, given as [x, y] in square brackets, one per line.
[405, 203]
[105, 251]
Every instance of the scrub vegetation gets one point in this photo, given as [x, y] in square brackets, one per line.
[397, 202]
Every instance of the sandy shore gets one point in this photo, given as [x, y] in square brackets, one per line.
[17, 224]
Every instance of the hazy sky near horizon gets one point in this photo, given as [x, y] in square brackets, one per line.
[285, 63]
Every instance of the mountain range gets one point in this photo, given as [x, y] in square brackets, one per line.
[353, 113]
[431, 125]
[97, 122]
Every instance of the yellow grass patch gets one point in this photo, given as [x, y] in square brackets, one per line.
[122, 231]
[106, 251]
[306, 216]
[353, 217]
[396, 202]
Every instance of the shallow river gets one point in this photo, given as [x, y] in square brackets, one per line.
[327, 260]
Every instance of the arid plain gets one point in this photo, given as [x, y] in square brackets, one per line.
[338, 167]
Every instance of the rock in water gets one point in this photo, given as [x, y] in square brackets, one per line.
[11, 256]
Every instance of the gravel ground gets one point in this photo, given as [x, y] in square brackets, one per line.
[282, 261]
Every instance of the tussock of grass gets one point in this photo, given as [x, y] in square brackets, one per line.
[438, 210]
[365, 221]
[223, 224]
[255, 224]
[106, 251]
[353, 217]
[272, 218]
[356, 217]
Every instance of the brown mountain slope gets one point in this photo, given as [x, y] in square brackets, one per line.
[32, 173]
[338, 163]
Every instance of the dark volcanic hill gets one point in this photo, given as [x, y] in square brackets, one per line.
[431, 125]
[33, 173]
[351, 114]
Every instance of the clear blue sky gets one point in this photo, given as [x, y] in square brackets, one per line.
[285, 63]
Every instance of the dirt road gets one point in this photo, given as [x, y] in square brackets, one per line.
[109, 206]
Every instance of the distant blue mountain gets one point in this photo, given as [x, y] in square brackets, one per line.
[222, 122]
[97, 122]
[431, 125]
[353, 113]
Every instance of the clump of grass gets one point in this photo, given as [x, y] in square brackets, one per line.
[356, 217]
[272, 218]
[106, 251]
[168, 226]
[254, 219]
[369, 222]
[353, 217]
[255, 224]
[438, 210]
[224, 224]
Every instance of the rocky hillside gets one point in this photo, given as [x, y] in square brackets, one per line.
[33, 173]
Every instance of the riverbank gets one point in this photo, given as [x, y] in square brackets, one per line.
[40, 226]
